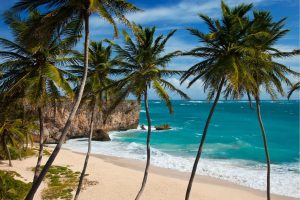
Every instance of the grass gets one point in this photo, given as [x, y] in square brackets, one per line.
[61, 183]
[17, 153]
[10, 188]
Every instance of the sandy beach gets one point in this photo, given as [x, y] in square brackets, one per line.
[120, 178]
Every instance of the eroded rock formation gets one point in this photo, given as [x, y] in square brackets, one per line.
[125, 116]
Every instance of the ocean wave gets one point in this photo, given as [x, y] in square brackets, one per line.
[285, 177]
[196, 101]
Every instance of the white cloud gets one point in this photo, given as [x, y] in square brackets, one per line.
[294, 61]
[185, 11]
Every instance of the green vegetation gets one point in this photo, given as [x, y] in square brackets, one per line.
[61, 182]
[11, 188]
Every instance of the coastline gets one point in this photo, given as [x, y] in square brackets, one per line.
[120, 178]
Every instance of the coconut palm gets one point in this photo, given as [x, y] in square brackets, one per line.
[101, 67]
[11, 134]
[61, 13]
[262, 70]
[220, 66]
[145, 68]
[295, 87]
[34, 73]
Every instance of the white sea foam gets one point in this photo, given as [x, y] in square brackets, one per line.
[285, 178]
[197, 101]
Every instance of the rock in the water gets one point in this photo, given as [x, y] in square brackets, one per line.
[143, 127]
[163, 127]
[100, 135]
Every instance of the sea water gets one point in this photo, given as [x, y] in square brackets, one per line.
[233, 150]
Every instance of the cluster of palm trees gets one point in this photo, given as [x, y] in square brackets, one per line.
[40, 66]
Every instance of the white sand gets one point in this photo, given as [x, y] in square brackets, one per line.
[120, 179]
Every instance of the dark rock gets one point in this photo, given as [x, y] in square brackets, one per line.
[100, 135]
[163, 127]
[143, 127]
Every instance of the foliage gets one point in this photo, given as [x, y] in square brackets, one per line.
[10, 188]
[142, 61]
[61, 182]
[34, 73]
[293, 89]
[17, 153]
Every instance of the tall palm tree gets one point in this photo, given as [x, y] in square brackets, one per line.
[221, 65]
[60, 13]
[34, 73]
[145, 67]
[101, 68]
[263, 71]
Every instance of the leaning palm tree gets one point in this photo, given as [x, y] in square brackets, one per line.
[101, 68]
[34, 73]
[295, 87]
[61, 13]
[221, 65]
[144, 65]
[262, 70]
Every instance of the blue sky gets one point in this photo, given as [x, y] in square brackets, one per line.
[180, 14]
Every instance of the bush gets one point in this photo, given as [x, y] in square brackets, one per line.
[10, 188]
[16, 153]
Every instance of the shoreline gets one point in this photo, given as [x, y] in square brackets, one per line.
[139, 165]
[120, 178]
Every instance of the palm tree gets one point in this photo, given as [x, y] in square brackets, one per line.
[263, 71]
[144, 66]
[295, 87]
[34, 73]
[221, 67]
[60, 13]
[100, 69]
[11, 133]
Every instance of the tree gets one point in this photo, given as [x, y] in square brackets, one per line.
[11, 134]
[221, 66]
[34, 73]
[61, 13]
[262, 70]
[145, 67]
[96, 93]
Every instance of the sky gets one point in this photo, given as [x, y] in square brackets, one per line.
[180, 14]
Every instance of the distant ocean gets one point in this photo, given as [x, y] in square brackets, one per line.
[233, 150]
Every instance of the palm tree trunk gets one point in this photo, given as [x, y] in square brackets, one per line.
[188, 191]
[57, 148]
[40, 156]
[265, 146]
[148, 147]
[87, 155]
[250, 100]
[7, 149]
[27, 141]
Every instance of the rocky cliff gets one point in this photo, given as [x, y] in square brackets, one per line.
[125, 116]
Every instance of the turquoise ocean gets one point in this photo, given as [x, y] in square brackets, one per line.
[233, 150]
